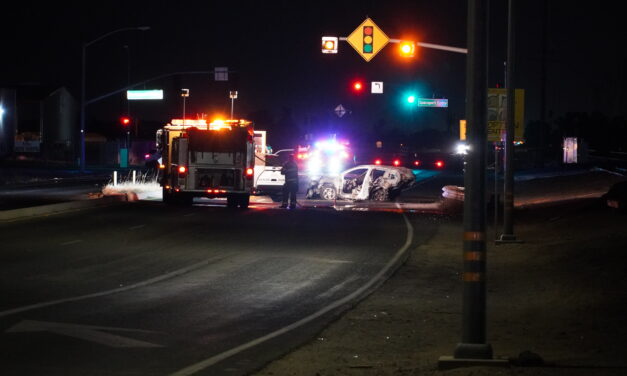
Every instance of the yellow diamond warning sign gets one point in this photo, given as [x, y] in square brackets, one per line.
[368, 39]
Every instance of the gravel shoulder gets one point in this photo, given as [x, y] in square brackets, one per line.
[560, 295]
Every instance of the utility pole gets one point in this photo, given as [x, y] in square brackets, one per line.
[508, 176]
[473, 348]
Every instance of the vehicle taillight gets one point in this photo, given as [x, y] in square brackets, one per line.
[249, 173]
[162, 167]
[147, 156]
[416, 163]
[439, 164]
[377, 161]
[396, 162]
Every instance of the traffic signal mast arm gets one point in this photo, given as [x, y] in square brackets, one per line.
[427, 45]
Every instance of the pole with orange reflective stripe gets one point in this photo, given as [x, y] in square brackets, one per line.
[473, 344]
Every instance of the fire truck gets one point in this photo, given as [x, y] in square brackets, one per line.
[213, 160]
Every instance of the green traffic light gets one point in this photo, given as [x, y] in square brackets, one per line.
[411, 99]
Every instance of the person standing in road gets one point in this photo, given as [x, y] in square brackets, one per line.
[290, 187]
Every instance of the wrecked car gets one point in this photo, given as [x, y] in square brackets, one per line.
[365, 182]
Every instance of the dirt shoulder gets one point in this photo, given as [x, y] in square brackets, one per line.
[561, 294]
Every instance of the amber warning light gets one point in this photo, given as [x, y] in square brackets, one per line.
[329, 45]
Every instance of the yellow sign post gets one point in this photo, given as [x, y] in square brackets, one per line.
[368, 39]
[497, 114]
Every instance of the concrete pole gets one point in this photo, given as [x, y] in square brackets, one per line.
[473, 349]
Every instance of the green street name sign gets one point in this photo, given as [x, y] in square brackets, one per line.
[428, 102]
[134, 95]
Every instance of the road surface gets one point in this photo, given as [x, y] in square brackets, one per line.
[150, 289]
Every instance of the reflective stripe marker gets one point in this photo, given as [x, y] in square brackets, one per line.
[472, 277]
[474, 256]
[474, 236]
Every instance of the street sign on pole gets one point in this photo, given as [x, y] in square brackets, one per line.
[221, 73]
[376, 87]
[144, 94]
[368, 39]
[497, 113]
[429, 102]
[340, 111]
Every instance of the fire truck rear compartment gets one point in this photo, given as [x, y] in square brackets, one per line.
[216, 178]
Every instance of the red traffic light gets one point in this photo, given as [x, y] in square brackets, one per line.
[125, 121]
[358, 86]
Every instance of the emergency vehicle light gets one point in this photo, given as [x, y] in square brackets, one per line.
[217, 125]
[190, 122]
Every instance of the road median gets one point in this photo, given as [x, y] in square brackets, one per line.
[41, 210]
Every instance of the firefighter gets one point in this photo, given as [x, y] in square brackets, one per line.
[290, 187]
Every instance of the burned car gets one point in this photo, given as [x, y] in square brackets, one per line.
[365, 182]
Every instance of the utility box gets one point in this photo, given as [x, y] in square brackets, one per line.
[575, 150]
[123, 158]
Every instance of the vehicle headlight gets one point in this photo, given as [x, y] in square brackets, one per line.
[314, 165]
[462, 148]
[335, 165]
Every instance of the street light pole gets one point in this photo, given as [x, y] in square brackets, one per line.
[233, 96]
[83, 75]
[184, 94]
[508, 188]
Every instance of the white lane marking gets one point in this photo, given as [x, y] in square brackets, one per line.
[71, 242]
[197, 367]
[136, 227]
[84, 332]
[337, 287]
[328, 261]
[114, 291]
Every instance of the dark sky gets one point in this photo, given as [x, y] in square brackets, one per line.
[274, 49]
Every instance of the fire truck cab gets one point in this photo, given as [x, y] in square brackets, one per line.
[200, 159]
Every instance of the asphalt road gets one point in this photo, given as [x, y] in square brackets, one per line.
[149, 289]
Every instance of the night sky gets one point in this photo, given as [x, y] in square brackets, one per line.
[283, 80]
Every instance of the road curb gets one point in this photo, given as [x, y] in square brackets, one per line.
[23, 213]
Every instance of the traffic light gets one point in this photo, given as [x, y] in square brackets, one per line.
[368, 39]
[125, 121]
[329, 45]
[407, 48]
[411, 99]
[358, 86]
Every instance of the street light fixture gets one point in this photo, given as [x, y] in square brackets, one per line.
[83, 104]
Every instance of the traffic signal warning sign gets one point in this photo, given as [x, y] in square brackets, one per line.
[368, 39]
